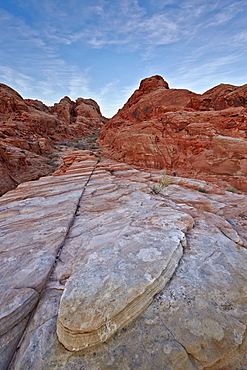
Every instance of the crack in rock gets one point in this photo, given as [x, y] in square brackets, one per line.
[120, 264]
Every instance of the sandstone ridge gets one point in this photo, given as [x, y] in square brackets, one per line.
[193, 135]
[117, 269]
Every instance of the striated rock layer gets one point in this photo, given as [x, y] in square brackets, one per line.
[193, 135]
[105, 267]
[29, 129]
[121, 265]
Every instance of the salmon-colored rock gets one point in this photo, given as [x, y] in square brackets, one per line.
[188, 134]
[83, 116]
[29, 129]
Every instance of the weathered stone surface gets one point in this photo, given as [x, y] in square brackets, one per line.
[40, 215]
[198, 318]
[123, 263]
[197, 136]
[10, 340]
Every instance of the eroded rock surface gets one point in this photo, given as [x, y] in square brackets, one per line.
[129, 277]
[129, 249]
[193, 135]
[29, 129]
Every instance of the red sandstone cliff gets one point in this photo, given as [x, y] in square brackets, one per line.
[201, 136]
[29, 129]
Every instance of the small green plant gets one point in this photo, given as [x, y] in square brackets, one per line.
[163, 183]
[232, 189]
[202, 190]
[53, 169]
[53, 165]
[50, 163]
[80, 146]
[64, 143]
[53, 155]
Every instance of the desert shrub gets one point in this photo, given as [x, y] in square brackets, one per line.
[53, 155]
[80, 146]
[232, 189]
[50, 163]
[163, 183]
[202, 190]
[64, 143]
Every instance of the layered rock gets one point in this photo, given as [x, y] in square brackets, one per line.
[122, 264]
[192, 135]
[130, 272]
[83, 116]
[29, 129]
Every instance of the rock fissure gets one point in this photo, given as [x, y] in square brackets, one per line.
[238, 242]
[222, 361]
[53, 266]
[182, 345]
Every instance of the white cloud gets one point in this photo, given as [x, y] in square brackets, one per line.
[225, 14]
[107, 88]
[196, 74]
[18, 81]
[240, 39]
[56, 83]
[160, 30]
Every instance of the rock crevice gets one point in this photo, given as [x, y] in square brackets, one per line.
[22, 305]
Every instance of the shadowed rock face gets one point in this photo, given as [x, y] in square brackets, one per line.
[99, 271]
[29, 129]
[197, 136]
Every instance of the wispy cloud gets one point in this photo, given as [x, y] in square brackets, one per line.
[17, 80]
[125, 24]
[52, 86]
[196, 74]
[107, 88]
[54, 48]
[240, 40]
[225, 14]
[130, 24]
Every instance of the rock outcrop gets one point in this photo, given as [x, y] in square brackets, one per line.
[29, 129]
[83, 116]
[107, 267]
[192, 135]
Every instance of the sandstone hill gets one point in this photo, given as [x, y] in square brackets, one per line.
[104, 266]
[197, 136]
[29, 129]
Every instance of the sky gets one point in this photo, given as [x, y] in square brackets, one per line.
[102, 49]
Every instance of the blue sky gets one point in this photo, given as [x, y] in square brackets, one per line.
[102, 49]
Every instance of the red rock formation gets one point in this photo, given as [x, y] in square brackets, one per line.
[199, 136]
[83, 116]
[29, 129]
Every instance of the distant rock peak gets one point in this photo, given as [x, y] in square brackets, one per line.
[152, 83]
